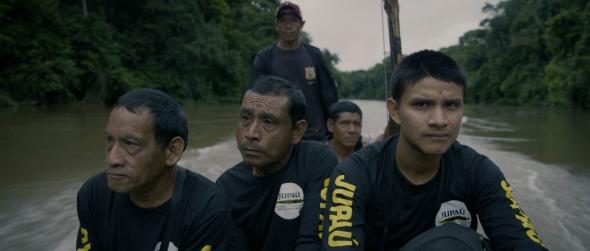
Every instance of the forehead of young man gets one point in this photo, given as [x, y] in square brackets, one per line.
[426, 63]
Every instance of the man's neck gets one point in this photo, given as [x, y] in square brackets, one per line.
[288, 45]
[415, 165]
[341, 151]
[157, 192]
[273, 168]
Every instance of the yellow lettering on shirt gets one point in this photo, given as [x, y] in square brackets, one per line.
[344, 184]
[340, 214]
[344, 239]
[520, 215]
[207, 248]
[323, 196]
[84, 240]
[85, 248]
[84, 233]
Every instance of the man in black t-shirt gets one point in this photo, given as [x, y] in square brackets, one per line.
[144, 201]
[275, 191]
[389, 192]
[345, 122]
[303, 65]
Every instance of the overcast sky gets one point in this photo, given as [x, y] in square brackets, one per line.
[352, 28]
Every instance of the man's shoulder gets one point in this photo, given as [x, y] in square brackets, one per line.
[201, 183]
[306, 146]
[266, 50]
[476, 166]
[315, 150]
[311, 47]
[374, 151]
[238, 169]
[203, 192]
[237, 172]
[94, 185]
[469, 157]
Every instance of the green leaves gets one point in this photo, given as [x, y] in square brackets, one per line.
[529, 52]
[195, 50]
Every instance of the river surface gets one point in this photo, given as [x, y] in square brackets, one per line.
[47, 153]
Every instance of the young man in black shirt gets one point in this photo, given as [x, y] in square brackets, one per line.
[389, 192]
[275, 191]
[303, 65]
[143, 201]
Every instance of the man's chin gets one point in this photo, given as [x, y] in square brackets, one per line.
[117, 187]
[252, 161]
[350, 143]
[437, 150]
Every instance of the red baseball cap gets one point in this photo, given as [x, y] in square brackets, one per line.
[288, 7]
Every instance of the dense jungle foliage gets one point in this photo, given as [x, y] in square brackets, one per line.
[533, 52]
[526, 52]
[58, 52]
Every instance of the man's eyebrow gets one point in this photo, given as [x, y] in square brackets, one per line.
[267, 115]
[246, 110]
[421, 98]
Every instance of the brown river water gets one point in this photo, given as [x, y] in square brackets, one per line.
[46, 154]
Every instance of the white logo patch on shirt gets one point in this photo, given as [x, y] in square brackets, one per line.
[453, 211]
[171, 246]
[310, 74]
[289, 201]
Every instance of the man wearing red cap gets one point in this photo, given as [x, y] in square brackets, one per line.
[302, 64]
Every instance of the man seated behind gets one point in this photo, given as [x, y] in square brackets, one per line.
[275, 191]
[387, 193]
[144, 201]
[345, 124]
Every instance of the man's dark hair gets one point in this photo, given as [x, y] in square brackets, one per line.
[343, 106]
[275, 86]
[168, 119]
[422, 64]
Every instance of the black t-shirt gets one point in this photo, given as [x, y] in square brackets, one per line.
[111, 221]
[280, 211]
[298, 67]
[369, 198]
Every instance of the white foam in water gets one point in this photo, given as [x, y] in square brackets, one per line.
[554, 199]
[486, 125]
[212, 161]
[37, 224]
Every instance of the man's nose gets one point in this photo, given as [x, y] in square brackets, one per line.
[115, 156]
[352, 128]
[253, 131]
[438, 118]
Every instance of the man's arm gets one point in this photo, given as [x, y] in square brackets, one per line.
[86, 239]
[327, 82]
[503, 221]
[262, 63]
[211, 231]
[257, 69]
[347, 197]
[236, 239]
[321, 166]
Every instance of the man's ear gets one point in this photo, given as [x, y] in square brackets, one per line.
[298, 131]
[330, 125]
[276, 24]
[302, 23]
[174, 151]
[393, 110]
